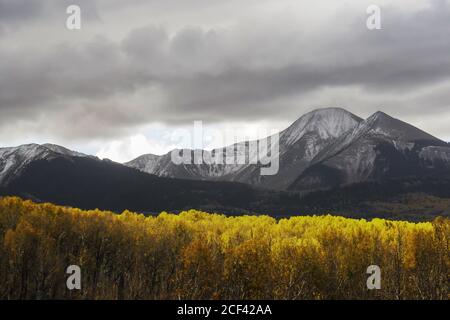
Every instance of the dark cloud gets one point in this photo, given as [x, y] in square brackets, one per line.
[19, 10]
[24, 13]
[246, 71]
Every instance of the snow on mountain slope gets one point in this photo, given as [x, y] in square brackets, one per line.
[436, 154]
[64, 151]
[298, 145]
[382, 124]
[164, 167]
[322, 149]
[14, 159]
[378, 147]
[147, 163]
[326, 123]
[304, 139]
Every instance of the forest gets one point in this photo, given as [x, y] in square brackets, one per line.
[198, 255]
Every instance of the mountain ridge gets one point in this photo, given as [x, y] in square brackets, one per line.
[330, 161]
[323, 149]
[15, 159]
[378, 148]
[299, 144]
[314, 137]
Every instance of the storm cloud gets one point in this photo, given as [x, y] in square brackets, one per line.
[173, 62]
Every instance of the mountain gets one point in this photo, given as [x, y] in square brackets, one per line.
[380, 147]
[55, 174]
[304, 139]
[14, 160]
[298, 146]
[323, 149]
[330, 161]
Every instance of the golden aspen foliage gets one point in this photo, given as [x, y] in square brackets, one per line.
[197, 255]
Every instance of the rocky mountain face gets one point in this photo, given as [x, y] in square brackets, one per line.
[380, 147]
[324, 149]
[299, 144]
[329, 161]
[55, 174]
[14, 160]
[326, 154]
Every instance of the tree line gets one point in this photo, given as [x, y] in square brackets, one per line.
[197, 255]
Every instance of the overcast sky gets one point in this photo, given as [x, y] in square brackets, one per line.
[138, 69]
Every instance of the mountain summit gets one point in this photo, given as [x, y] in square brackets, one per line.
[13, 160]
[299, 144]
[327, 123]
[377, 148]
[326, 148]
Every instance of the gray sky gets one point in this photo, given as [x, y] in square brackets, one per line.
[138, 69]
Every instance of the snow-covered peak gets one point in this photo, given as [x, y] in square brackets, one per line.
[146, 163]
[25, 151]
[63, 151]
[380, 115]
[327, 123]
[378, 126]
[383, 124]
[14, 159]
[33, 150]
